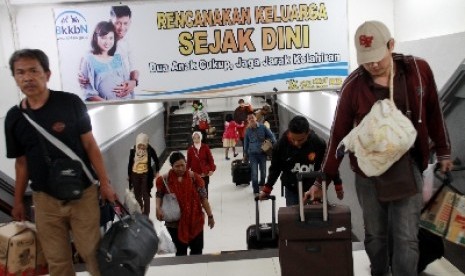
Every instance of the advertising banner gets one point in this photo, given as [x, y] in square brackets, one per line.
[184, 50]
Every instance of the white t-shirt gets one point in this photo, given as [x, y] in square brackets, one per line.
[123, 48]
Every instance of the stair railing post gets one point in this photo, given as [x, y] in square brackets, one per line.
[273, 102]
[167, 126]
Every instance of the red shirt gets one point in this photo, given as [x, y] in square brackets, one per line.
[190, 202]
[230, 130]
[200, 161]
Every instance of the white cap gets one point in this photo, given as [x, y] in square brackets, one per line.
[371, 42]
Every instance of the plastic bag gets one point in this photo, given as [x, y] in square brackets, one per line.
[165, 244]
[428, 182]
[131, 203]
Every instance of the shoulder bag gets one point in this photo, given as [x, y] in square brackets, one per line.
[170, 205]
[65, 181]
[68, 186]
[267, 146]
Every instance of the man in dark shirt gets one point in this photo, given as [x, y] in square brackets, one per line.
[64, 116]
[298, 150]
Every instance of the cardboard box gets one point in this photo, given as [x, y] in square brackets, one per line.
[456, 233]
[436, 218]
[20, 251]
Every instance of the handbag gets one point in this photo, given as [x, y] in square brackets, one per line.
[65, 181]
[170, 206]
[129, 246]
[203, 125]
[397, 182]
[444, 214]
[211, 130]
[383, 136]
[267, 146]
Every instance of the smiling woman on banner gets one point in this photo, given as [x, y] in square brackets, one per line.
[104, 68]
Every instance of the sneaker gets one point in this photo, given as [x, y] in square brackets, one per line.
[227, 158]
[236, 154]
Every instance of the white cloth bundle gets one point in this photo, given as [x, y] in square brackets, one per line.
[382, 137]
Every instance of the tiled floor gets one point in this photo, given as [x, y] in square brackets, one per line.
[234, 211]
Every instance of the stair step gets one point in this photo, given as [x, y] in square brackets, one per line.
[180, 130]
[222, 256]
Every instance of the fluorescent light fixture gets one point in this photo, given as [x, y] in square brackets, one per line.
[329, 94]
[94, 110]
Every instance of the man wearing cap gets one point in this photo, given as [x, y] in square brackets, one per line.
[413, 84]
[240, 116]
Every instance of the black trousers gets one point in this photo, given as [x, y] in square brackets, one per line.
[206, 179]
[141, 191]
[196, 245]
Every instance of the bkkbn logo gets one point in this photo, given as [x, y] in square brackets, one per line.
[71, 25]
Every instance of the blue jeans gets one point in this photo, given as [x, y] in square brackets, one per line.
[258, 161]
[401, 217]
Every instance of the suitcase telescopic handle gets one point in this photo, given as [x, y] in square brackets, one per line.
[302, 175]
[273, 216]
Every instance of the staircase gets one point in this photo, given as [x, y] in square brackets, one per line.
[179, 133]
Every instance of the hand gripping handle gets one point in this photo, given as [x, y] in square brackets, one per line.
[302, 175]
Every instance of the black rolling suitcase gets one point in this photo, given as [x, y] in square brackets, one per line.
[313, 236]
[263, 235]
[241, 172]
